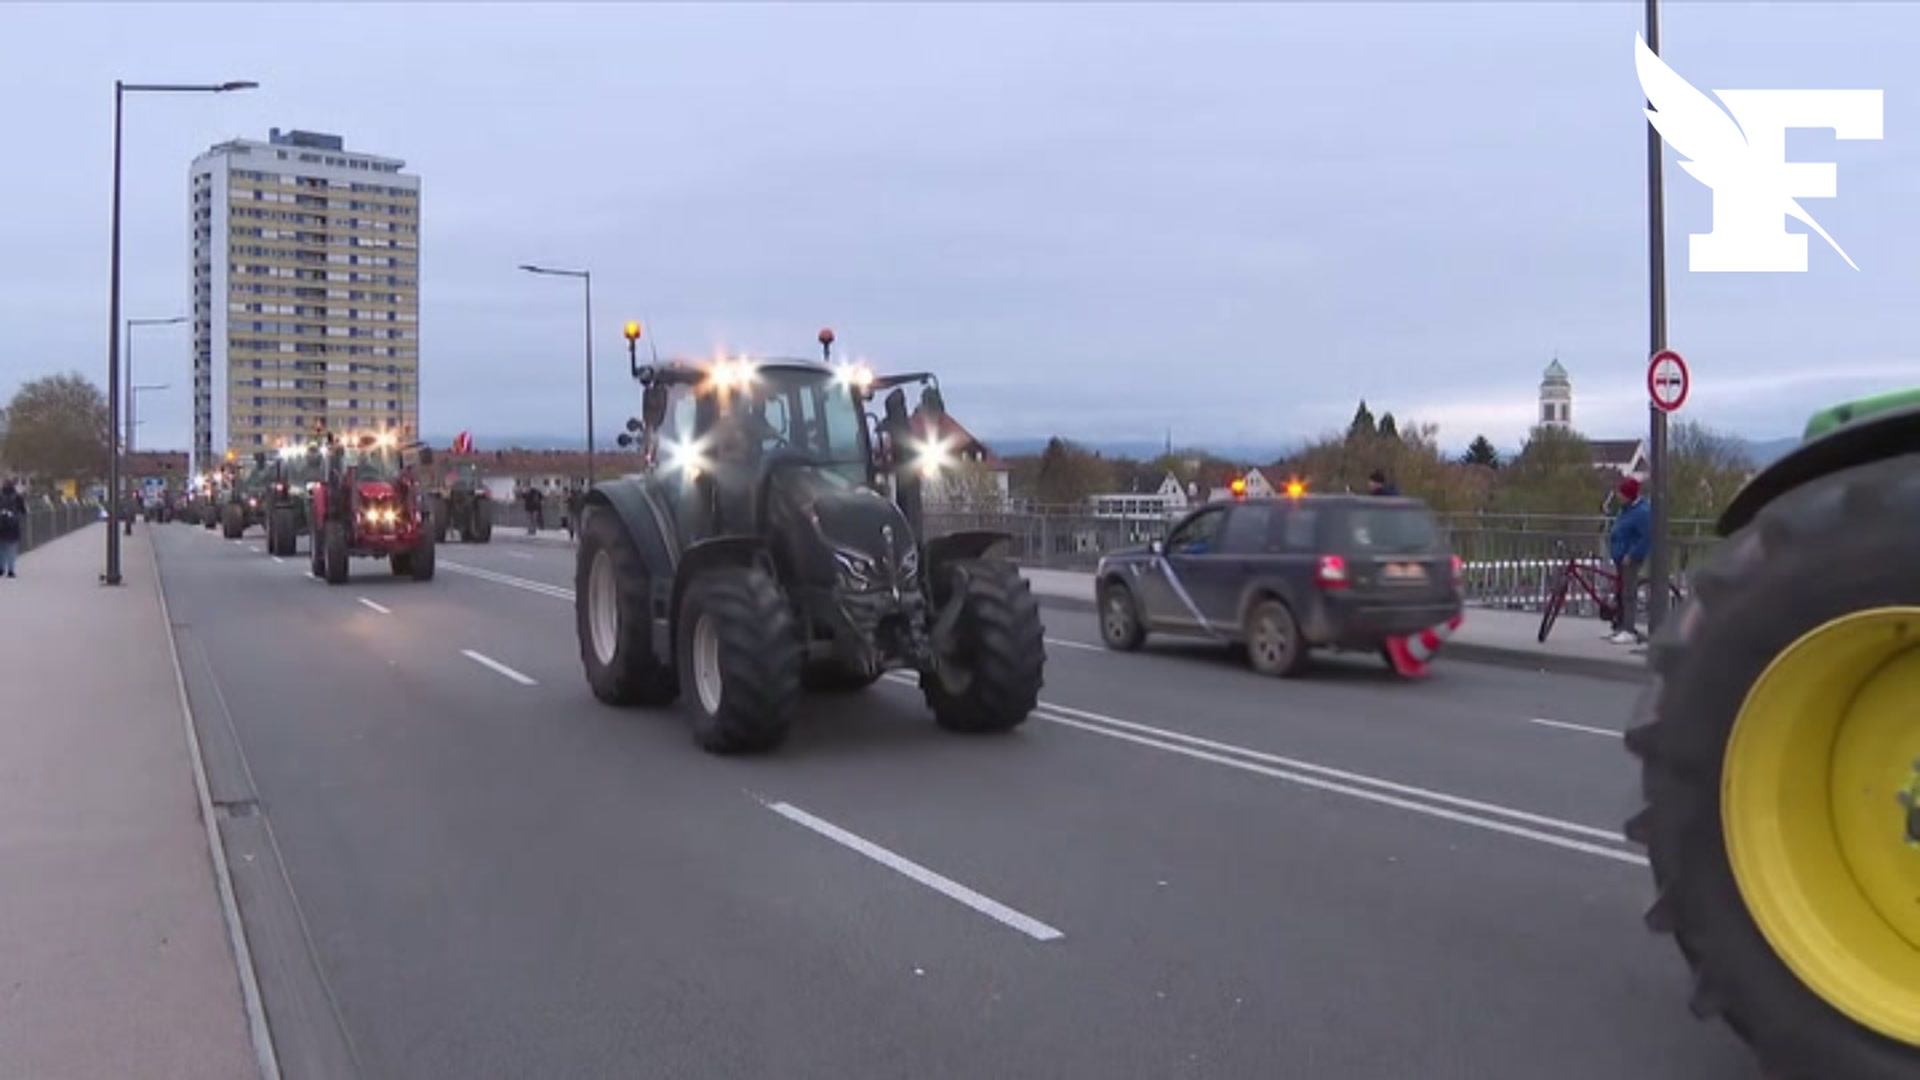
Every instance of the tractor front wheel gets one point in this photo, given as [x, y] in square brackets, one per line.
[280, 533]
[335, 556]
[1781, 769]
[613, 618]
[422, 557]
[739, 657]
[988, 677]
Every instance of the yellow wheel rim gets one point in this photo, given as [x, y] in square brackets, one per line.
[1821, 770]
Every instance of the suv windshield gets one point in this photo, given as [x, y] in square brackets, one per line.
[1397, 530]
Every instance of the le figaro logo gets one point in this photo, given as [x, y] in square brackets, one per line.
[1743, 158]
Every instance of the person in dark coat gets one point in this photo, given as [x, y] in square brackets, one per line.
[13, 524]
[1378, 484]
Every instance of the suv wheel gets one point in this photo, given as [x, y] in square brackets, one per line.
[1273, 640]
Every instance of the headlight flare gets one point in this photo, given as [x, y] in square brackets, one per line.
[688, 456]
[932, 456]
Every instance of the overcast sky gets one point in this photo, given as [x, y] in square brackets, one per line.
[1092, 220]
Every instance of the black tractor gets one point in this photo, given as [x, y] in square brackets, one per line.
[288, 477]
[757, 551]
[242, 508]
[462, 505]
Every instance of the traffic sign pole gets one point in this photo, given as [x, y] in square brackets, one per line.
[1657, 318]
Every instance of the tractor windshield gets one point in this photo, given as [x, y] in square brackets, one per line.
[796, 411]
[373, 463]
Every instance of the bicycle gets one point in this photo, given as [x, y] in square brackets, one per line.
[1590, 575]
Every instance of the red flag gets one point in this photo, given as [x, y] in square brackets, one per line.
[463, 443]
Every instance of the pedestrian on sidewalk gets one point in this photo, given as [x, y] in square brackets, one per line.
[13, 520]
[1628, 543]
[531, 499]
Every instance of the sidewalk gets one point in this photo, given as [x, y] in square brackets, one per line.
[117, 958]
[1488, 635]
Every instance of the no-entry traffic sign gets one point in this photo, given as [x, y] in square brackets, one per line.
[1667, 380]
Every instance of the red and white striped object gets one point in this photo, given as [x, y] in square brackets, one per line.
[1411, 654]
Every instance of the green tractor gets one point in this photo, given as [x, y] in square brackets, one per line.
[1780, 753]
[758, 551]
[463, 505]
[243, 506]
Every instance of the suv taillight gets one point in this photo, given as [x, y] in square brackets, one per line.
[1459, 573]
[1332, 573]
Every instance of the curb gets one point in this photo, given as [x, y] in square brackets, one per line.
[1471, 652]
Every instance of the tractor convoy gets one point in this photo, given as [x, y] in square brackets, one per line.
[1780, 753]
[773, 541]
[461, 504]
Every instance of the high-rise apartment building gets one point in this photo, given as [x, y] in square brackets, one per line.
[306, 293]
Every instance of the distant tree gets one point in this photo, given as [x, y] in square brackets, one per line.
[1552, 474]
[1130, 474]
[1481, 452]
[1363, 425]
[969, 485]
[58, 428]
[1704, 470]
[1389, 430]
[1337, 463]
[1069, 474]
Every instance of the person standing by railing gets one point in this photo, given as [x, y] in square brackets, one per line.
[13, 519]
[1628, 543]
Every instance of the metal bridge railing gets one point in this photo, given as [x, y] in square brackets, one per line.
[49, 519]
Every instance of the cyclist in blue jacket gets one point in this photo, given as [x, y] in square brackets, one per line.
[1628, 544]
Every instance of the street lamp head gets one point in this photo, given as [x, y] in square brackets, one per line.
[633, 331]
[240, 85]
[531, 269]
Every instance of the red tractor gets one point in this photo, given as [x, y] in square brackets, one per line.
[371, 505]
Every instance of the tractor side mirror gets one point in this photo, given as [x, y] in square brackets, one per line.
[653, 407]
[625, 440]
[633, 425]
[426, 455]
[896, 409]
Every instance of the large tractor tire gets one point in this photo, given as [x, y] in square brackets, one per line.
[423, 558]
[481, 517]
[233, 521]
[209, 520]
[612, 620]
[992, 680]
[1781, 768]
[281, 537]
[335, 557]
[739, 659]
[439, 516]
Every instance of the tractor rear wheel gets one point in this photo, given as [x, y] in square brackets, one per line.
[233, 521]
[739, 658]
[335, 556]
[990, 678]
[481, 517]
[1781, 769]
[401, 563]
[613, 618]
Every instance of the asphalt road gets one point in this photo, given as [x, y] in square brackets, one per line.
[1176, 869]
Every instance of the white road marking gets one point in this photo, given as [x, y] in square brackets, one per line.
[947, 887]
[489, 662]
[1371, 796]
[519, 555]
[1600, 731]
[1076, 644]
[374, 606]
[1339, 781]
[278, 559]
[498, 578]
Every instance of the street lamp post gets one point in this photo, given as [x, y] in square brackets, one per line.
[120, 91]
[126, 443]
[586, 278]
[1657, 334]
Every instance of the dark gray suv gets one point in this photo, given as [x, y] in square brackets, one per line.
[1285, 576]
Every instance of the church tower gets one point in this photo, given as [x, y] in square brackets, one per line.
[1556, 398]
